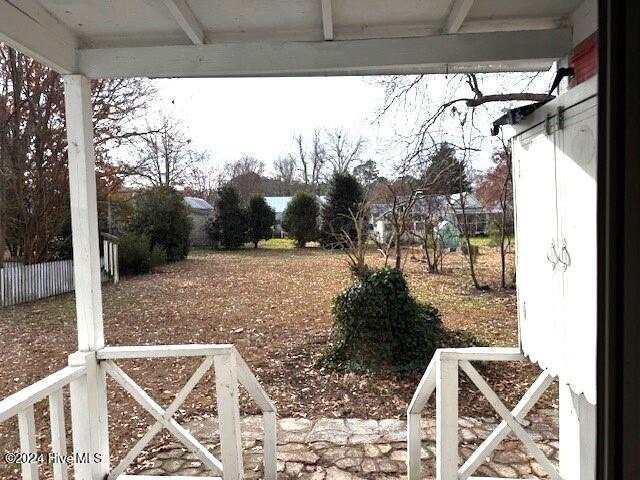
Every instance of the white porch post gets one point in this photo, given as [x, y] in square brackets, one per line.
[88, 395]
[447, 419]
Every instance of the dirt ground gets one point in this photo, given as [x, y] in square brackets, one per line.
[275, 306]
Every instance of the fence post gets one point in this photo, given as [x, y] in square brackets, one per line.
[446, 419]
[229, 416]
[116, 265]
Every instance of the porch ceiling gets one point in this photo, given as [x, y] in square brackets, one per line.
[287, 37]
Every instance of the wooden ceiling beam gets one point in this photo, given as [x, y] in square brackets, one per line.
[27, 27]
[480, 52]
[186, 19]
[459, 11]
[327, 19]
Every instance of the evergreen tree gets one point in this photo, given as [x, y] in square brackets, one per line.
[300, 219]
[446, 174]
[228, 228]
[343, 200]
[261, 219]
[366, 173]
[161, 215]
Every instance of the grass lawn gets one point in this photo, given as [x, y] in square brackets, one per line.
[274, 304]
[488, 241]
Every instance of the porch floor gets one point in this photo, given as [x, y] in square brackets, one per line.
[339, 449]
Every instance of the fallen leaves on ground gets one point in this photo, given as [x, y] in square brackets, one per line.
[274, 305]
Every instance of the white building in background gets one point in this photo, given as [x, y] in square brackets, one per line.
[429, 210]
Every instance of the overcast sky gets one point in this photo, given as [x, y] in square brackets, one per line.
[230, 118]
[258, 116]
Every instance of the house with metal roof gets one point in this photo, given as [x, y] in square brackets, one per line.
[279, 205]
[199, 213]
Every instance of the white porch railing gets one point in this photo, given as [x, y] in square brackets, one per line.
[230, 370]
[110, 256]
[21, 404]
[442, 376]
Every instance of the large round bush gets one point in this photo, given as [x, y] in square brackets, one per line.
[134, 254]
[161, 215]
[378, 324]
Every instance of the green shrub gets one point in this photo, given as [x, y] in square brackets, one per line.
[162, 216]
[134, 254]
[379, 325]
[300, 219]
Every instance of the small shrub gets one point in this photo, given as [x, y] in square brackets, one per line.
[378, 324]
[134, 254]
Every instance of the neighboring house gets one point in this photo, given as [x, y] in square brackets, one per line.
[432, 209]
[199, 212]
[279, 205]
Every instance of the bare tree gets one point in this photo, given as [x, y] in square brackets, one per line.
[447, 113]
[343, 152]
[33, 149]
[285, 169]
[401, 197]
[427, 101]
[432, 245]
[495, 189]
[163, 155]
[310, 162]
[466, 129]
[246, 175]
[243, 166]
[353, 241]
[203, 180]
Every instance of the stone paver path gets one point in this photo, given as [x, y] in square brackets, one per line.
[339, 449]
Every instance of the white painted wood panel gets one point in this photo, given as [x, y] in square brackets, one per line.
[27, 433]
[536, 232]
[555, 181]
[496, 51]
[577, 155]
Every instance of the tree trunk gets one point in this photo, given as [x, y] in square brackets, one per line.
[467, 239]
[503, 260]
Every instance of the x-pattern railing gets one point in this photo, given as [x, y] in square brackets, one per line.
[442, 376]
[21, 404]
[230, 370]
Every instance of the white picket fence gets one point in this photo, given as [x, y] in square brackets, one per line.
[20, 283]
